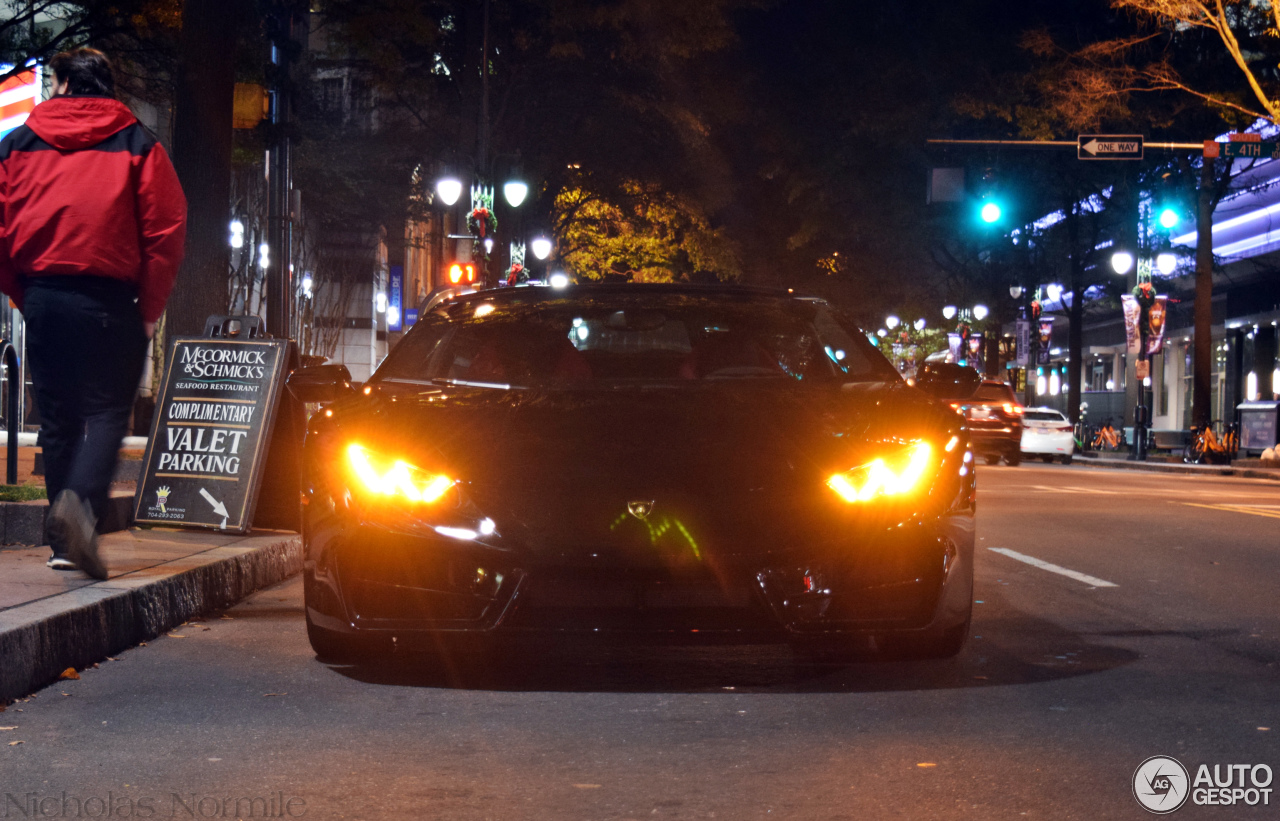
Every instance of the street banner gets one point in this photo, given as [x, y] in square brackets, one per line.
[1023, 335]
[1044, 343]
[395, 298]
[976, 351]
[953, 344]
[1132, 313]
[209, 436]
[1156, 316]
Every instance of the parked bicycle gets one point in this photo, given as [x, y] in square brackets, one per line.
[1207, 446]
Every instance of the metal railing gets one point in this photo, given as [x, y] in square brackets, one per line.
[14, 379]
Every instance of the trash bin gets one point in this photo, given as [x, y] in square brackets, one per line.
[1257, 426]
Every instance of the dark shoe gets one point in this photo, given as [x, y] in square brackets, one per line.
[71, 527]
[60, 563]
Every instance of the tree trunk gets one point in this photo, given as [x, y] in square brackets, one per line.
[202, 134]
[1203, 334]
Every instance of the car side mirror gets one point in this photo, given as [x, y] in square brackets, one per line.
[320, 383]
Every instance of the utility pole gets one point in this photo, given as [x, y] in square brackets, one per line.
[1201, 362]
[202, 132]
[279, 275]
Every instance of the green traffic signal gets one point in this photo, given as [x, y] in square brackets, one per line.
[1169, 218]
[990, 212]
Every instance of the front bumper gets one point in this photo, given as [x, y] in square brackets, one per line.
[364, 579]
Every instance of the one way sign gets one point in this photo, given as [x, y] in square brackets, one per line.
[1109, 146]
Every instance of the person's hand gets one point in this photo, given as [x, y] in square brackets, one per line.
[150, 328]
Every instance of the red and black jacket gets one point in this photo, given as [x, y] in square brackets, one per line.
[85, 189]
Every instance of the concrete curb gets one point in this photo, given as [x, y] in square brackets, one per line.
[41, 639]
[1186, 470]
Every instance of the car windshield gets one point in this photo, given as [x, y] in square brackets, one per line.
[617, 338]
[1043, 416]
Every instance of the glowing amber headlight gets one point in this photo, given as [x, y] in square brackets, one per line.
[396, 478]
[903, 473]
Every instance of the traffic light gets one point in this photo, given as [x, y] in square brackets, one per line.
[1169, 218]
[990, 212]
[462, 273]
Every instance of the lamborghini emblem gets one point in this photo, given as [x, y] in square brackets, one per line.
[640, 510]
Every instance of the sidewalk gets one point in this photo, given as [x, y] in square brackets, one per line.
[1121, 462]
[51, 620]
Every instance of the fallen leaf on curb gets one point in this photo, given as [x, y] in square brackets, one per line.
[926, 764]
[175, 635]
[16, 743]
[225, 616]
[264, 695]
[69, 674]
[3, 708]
[205, 629]
[9, 728]
[66, 694]
[587, 786]
[142, 644]
[95, 665]
[112, 658]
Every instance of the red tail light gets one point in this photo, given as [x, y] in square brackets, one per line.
[1012, 409]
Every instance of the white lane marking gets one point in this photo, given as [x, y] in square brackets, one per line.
[1053, 568]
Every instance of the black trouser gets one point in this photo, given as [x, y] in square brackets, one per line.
[85, 346]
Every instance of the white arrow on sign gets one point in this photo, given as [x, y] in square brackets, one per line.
[219, 509]
[1111, 147]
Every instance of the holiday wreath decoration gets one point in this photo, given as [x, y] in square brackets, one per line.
[482, 223]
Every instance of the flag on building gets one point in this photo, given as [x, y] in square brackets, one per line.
[18, 96]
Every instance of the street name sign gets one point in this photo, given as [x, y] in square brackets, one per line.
[209, 436]
[1109, 146]
[1248, 150]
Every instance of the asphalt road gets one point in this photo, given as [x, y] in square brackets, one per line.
[1065, 688]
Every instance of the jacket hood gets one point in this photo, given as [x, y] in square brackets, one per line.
[73, 123]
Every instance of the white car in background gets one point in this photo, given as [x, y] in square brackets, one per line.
[1048, 434]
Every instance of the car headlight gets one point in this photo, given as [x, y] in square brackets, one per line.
[395, 479]
[901, 473]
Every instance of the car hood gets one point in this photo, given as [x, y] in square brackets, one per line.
[720, 463]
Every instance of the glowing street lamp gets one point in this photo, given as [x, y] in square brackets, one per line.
[891, 322]
[1167, 263]
[515, 192]
[980, 312]
[949, 312]
[1121, 262]
[449, 189]
[541, 247]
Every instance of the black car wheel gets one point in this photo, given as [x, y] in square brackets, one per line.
[1014, 459]
[992, 458]
[943, 644]
[335, 647]
[1066, 460]
[1047, 458]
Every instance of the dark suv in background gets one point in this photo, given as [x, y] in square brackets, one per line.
[990, 408]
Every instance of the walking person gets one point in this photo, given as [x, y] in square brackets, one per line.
[92, 225]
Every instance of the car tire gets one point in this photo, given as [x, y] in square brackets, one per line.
[943, 644]
[1066, 460]
[992, 458]
[1047, 458]
[337, 648]
[1014, 459]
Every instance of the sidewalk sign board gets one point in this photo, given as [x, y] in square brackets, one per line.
[211, 431]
